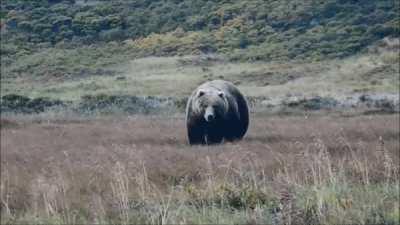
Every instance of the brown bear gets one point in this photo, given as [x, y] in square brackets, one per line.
[216, 111]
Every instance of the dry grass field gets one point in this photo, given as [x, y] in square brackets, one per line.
[288, 170]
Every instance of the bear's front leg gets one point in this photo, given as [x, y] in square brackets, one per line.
[233, 130]
[214, 135]
[213, 139]
[196, 135]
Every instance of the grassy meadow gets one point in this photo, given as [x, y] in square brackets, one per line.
[372, 72]
[140, 170]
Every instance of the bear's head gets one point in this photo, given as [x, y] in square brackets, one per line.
[211, 104]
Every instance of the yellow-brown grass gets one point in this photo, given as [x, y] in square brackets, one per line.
[321, 169]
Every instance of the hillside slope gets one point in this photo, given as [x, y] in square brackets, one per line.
[65, 48]
[242, 30]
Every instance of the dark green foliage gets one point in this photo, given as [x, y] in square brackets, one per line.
[242, 30]
[381, 105]
[89, 104]
[21, 104]
[107, 104]
[130, 104]
[315, 103]
[180, 103]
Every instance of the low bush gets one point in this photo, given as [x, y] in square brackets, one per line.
[21, 104]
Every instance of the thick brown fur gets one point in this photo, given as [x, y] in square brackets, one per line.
[216, 111]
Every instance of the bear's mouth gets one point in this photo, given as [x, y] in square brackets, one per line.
[211, 123]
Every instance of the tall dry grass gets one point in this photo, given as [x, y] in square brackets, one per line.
[288, 170]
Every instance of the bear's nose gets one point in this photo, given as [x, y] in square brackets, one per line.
[210, 117]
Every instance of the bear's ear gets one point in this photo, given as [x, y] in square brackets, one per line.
[201, 93]
[221, 94]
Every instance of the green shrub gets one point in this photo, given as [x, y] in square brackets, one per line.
[224, 27]
[21, 104]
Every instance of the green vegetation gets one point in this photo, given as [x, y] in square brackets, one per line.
[79, 37]
[66, 49]
[178, 76]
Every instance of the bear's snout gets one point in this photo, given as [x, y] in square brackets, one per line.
[209, 114]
